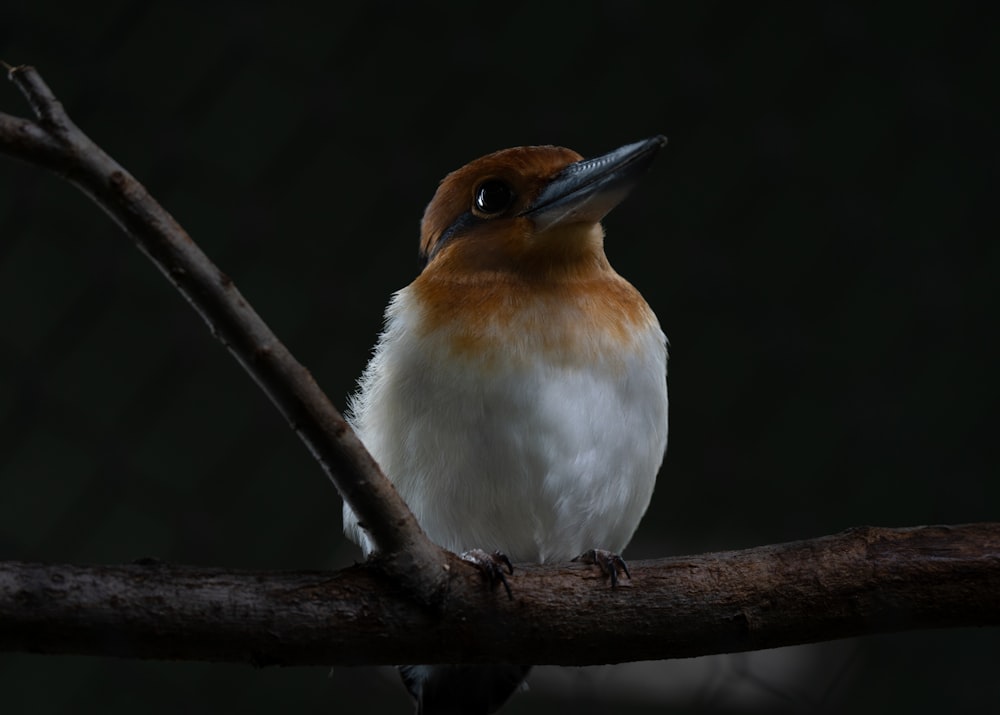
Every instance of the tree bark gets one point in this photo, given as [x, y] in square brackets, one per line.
[54, 142]
[862, 581]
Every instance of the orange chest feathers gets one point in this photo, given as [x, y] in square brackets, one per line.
[509, 319]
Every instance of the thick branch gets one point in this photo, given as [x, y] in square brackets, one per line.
[863, 581]
[54, 142]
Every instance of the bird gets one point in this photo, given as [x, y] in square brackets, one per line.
[517, 394]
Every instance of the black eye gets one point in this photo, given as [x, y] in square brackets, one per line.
[493, 197]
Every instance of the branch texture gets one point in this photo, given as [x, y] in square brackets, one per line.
[53, 141]
[863, 581]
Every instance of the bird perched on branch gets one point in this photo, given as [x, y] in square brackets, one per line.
[517, 397]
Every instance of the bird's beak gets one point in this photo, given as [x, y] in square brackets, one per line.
[586, 191]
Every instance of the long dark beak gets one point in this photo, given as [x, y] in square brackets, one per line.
[587, 190]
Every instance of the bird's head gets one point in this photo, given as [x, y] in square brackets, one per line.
[529, 211]
[515, 265]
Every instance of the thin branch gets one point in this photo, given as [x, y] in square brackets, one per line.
[862, 581]
[54, 142]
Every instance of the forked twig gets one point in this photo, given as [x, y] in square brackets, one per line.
[52, 140]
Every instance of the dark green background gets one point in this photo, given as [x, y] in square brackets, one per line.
[815, 240]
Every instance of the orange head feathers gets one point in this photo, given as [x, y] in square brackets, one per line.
[510, 210]
[514, 253]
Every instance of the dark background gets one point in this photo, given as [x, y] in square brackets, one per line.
[814, 240]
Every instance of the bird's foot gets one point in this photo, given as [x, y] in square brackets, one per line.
[491, 566]
[609, 562]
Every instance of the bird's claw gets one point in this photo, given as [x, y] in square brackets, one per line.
[609, 562]
[491, 566]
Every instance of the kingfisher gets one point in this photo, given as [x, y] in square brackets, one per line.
[517, 396]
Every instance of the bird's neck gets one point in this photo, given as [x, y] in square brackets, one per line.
[584, 313]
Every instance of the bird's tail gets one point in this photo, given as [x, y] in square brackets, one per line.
[462, 689]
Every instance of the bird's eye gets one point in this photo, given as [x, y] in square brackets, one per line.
[493, 197]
